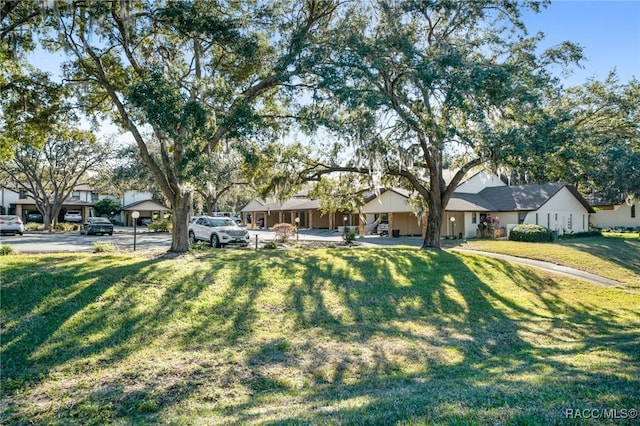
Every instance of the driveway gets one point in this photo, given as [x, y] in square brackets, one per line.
[45, 242]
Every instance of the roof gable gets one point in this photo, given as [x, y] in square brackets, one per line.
[148, 205]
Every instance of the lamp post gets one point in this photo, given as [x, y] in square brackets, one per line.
[135, 215]
[297, 220]
[453, 225]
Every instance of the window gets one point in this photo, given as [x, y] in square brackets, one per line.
[537, 219]
[23, 194]
[474, 218]
[483, 217]
[570, 222]
[75, 195]
[633, 210]
[521, 217]
[94, 196]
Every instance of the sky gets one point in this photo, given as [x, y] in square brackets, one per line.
[608, 31]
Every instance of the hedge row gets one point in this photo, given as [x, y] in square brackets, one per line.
[581, 235]
[531, 233]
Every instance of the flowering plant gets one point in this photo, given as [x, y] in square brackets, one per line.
[492, 222]
[284, 231]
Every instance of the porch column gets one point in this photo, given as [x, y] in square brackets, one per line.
[361, 224]
[390, 224]
[280, 216]
[19, 211]
[310, 215]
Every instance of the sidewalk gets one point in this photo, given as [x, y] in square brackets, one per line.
[550, 267]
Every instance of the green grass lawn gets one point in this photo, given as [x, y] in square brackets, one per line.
[325, 336]
[614, 256]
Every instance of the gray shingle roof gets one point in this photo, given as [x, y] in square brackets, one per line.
[521, 197]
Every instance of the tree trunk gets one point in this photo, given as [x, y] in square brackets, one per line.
[212, 204]
[180, 233]
[434, 225]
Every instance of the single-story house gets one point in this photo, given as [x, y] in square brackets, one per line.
[557, 206]
[616, 215]
[266, 213]
[147, 209]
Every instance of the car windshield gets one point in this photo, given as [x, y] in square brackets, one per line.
[100, 220]
[9, 217]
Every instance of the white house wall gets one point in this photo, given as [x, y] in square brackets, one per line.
[479, 182]
[562, 213]
[7, 197]
[619, 217]
[131, 197]
[388, 202]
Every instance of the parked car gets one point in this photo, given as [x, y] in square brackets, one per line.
[35, 217]
[11, 224]
[235, 217]
[218, 231]
[98, 225]
[73, 216]
[383, 228]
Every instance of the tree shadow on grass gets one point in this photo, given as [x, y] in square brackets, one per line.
[345, 336]
[492, 337]
[624, 252]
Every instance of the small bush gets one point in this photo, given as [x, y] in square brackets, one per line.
[531, 233]
[349, 235]
[67, 227]
[163, 225]
[271, 245]
[103, 246]
[581, 235]
[6, 250]
[34, 226]
[284, 231]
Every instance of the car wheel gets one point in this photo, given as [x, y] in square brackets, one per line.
[215, 241]
[110, 233]
[192, 238]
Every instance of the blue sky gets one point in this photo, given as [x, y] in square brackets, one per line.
[609, 32]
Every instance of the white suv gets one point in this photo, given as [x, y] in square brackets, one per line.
[218, 231]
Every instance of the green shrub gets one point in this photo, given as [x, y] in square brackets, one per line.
[67, 227]
[103, 246]
[581, 235]
[270, 245]
[34, 226]
[163, 225]
[531, 233]
[349, 235]
[6, 250]
[284, 231]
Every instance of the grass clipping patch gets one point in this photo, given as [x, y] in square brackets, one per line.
[322, 336]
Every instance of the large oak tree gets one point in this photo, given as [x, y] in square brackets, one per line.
[408, 82]
[183, 76]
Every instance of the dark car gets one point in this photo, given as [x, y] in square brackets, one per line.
[35, 217]
[98, 225]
